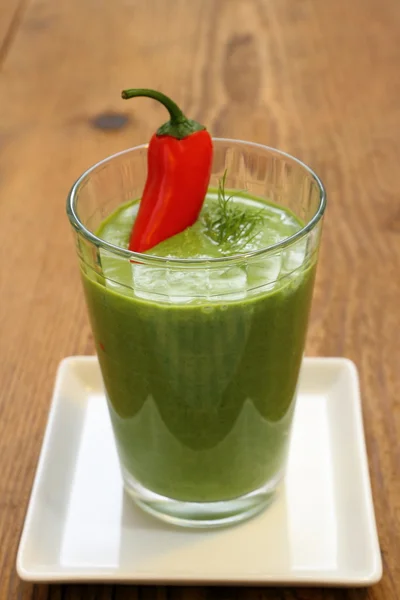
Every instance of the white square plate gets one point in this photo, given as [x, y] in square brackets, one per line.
[80, 525]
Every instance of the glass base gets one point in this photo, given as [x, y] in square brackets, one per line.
[201, 514]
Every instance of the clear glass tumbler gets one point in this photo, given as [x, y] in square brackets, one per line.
[200, 358]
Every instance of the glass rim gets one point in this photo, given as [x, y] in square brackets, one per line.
[164, 260]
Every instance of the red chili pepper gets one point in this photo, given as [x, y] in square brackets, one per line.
[179, 166]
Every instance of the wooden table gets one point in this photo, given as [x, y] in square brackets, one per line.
[318, 78]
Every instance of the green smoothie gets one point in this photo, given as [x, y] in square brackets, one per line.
[200, 365]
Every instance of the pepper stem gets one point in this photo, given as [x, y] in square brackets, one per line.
[178, 126]
[175, 112]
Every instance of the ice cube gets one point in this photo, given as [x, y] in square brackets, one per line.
[229, 283]
[263, 272]
[174, 284]
[117, 273]
[186, 285]
[149, 282]
[294, 256]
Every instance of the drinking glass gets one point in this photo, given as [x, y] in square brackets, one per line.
[200, 358]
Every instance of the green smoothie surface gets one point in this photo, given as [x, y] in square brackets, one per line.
[270, 224]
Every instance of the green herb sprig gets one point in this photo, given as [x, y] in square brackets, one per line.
[228, 224]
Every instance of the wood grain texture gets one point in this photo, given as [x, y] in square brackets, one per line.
[318, 79]
[11, 15]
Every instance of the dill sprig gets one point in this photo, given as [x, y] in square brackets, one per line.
[227, 223]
